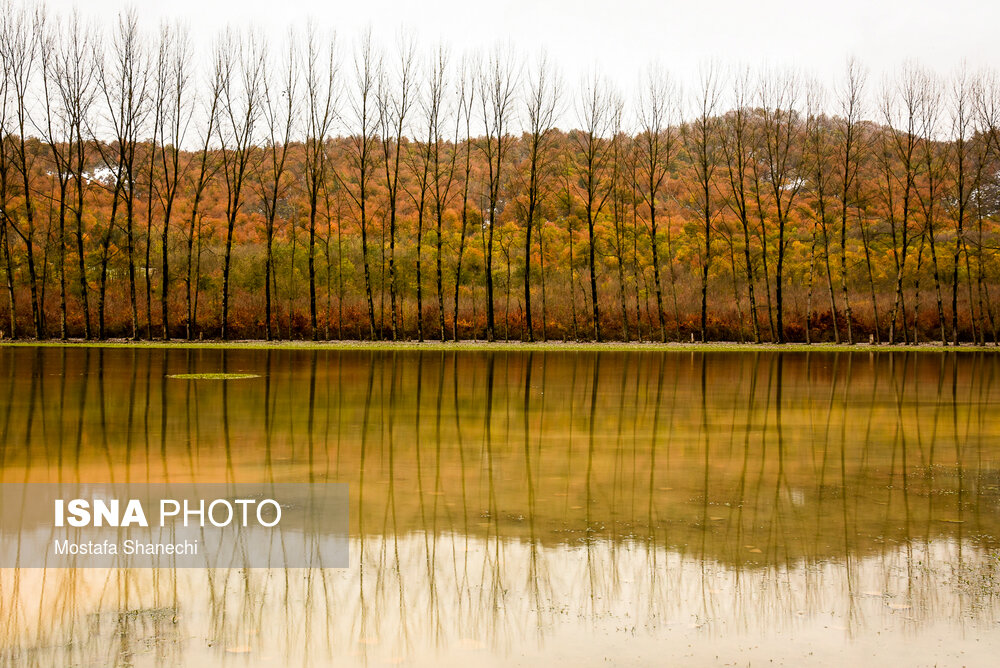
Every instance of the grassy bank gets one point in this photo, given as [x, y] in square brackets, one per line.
[514, 346]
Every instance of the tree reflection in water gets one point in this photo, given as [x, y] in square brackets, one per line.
[534, 505]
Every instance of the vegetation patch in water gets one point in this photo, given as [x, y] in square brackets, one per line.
[212, 376]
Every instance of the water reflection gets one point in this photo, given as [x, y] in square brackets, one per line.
[525, 506]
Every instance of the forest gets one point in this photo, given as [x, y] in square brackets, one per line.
[331, 187]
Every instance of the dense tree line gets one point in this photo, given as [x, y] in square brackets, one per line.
[313, 189]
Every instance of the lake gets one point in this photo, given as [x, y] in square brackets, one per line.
[556, 507]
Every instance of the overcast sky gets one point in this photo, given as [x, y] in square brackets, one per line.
[622, 36]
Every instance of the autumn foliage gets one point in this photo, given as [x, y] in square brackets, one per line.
[322, 192]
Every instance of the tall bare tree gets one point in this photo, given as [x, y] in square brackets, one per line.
[279, 108]
[59, 139]
[21, 42]
[207, 168]
[421, 159]
[597, 112]
[702, 146]
[498, 83]
[656, 146]
[987, 104]
[6, 224]
[395, 98]
[363, 145]
[175, 88]
[929, 111]
[622, 194]
[900, 109]
[152, 149]
[124, 84]
[967, 176]
[466, 102]
[738, 139]
[76, 82]
[444, 154]
[321, 73]
[849, 158]
[240, 60]
[542, 104]
[819, 161]
[782, 159]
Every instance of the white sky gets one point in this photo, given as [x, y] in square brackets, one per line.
[621, 37]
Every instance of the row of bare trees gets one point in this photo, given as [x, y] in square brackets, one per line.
[757, 206]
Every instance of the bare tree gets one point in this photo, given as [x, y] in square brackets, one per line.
[850, 161]
[363, 144]
[498, 96]
[240, 60]
[5, 180]
[421, 159]
[207, 169]
[900, 109]
[782, 159]
[542, 103]
[466, 102]
[596, 111]
[622, 191]
[279, 108]
[395, 97]
[124, 83]
[738, 143]
[21, 38]
[987, 103]
[76, 83]
[655, 147]
[701, 144]
[59, 138]
[321, 71]
[967, 175]
[929, 110]
[157, 95]
[819, 159]
[443, 157]
[175, 86]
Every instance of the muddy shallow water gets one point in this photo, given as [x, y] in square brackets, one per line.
[582, 508]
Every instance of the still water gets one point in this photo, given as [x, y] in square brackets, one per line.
[575, 508]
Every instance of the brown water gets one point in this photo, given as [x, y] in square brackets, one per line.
[575, 508]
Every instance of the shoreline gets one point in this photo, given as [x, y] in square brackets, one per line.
[509, 346]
